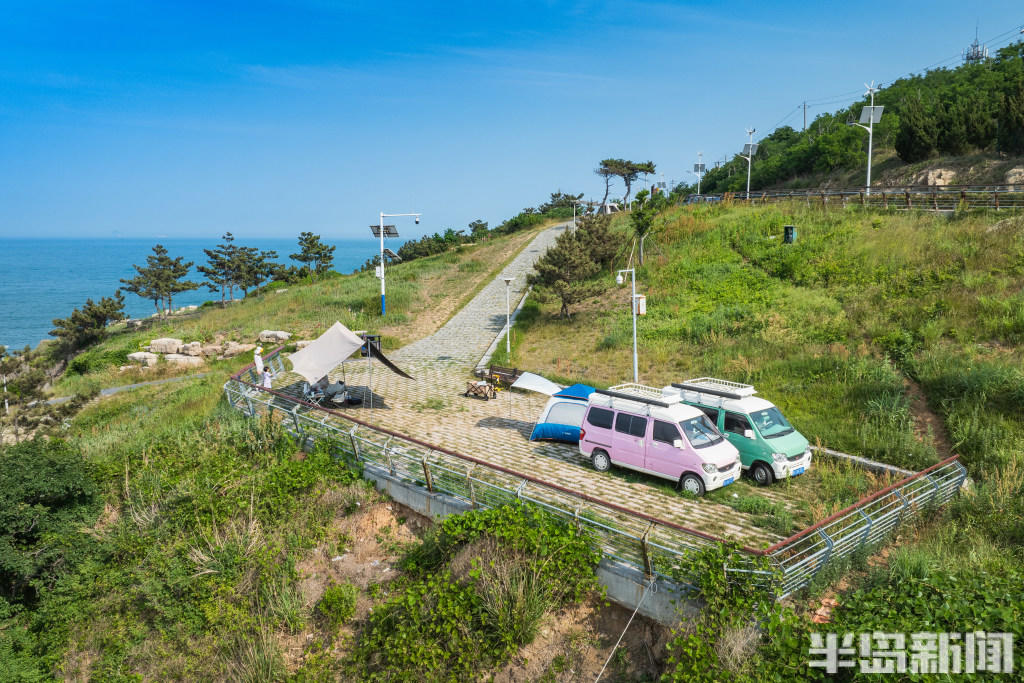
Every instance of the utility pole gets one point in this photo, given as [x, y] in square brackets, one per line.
[805, 116]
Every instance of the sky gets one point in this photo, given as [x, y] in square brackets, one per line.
[188, 119]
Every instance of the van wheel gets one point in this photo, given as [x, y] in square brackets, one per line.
[762, 474]
[691, 483]
[600, 460]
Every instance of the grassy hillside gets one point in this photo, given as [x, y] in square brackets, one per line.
[895, 336]
[421, 294]
[967, 122]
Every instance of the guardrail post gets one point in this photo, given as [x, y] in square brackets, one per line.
[823, 200]
[867, 532]
[963, 474]
[576, 517]
[385, 451]
[935, 200]
[935, 484]
[252, 408]
[995, 196]
[355, 444]
[963, 198]
[426, 474]
[828, 551]
[906, 504]
[648, 567]
[295, 421]
[519, 490]
[885, 200]
[862, 198]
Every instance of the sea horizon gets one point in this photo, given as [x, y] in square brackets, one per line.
[44, 278]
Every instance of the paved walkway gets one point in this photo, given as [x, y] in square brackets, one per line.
[464, 339]
[432, 408]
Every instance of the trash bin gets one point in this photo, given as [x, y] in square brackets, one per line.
[790, 234]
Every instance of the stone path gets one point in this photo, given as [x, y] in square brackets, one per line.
[464, 339]
[432, 408]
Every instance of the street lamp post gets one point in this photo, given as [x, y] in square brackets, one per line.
[869, 115]
[508, 316]
[381, 229]
[749, 150]
[632, 299]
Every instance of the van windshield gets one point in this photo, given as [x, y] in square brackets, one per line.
[700, 432]
[771, 423]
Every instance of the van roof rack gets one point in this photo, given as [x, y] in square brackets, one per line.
[716, 387]
[633, 397]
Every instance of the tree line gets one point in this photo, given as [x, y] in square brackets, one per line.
[229, 267]
[977, 106]
[559, 205]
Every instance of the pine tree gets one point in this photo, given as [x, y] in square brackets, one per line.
[316, 256]
[564, 273]
[87, 325]
[1010, 138]
[916, 138]
[161, 279]
[220, 272]
[952, 129]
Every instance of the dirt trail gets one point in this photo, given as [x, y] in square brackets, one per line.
[927, 422]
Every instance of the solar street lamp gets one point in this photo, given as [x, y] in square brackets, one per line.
[869, 115]
[619, 280]
[380, 230]
[749, 150]
[698, 169]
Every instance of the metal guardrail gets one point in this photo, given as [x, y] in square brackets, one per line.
[906, 198]
[658, 547]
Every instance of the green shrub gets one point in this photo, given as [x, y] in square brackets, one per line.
[338, 603]
[478, 586]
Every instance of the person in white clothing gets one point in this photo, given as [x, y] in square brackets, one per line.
[268, 378]
[257, 358]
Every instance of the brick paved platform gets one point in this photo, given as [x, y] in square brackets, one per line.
[432, 407]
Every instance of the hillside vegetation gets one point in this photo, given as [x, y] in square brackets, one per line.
[968, 120]
[897, 336]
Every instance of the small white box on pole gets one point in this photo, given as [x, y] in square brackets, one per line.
[641, 304]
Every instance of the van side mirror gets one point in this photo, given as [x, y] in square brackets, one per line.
[749, 433]
[678, 443]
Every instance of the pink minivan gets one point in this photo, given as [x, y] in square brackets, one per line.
[635, 427]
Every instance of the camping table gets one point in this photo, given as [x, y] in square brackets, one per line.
[482, 390]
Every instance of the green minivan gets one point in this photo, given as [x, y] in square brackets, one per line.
[770, 447]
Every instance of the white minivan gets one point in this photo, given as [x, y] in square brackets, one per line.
[634, 426]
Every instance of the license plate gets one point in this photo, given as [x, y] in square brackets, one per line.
[798, 470]
[727, 481]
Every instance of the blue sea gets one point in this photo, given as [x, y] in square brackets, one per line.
[43, 279]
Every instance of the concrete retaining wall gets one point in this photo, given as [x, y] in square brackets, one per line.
[625, 585]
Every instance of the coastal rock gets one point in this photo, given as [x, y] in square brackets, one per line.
[143, 358]
[181, 359]
[192, 348]
[935, 177]
[165, 345]
[1015, 175]
[274, 336]
[232, 349]
[302, 344]
[211, 350]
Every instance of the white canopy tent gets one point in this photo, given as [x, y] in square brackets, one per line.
[531, 382]
[326, 353]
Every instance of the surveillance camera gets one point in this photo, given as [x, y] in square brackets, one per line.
[417, 220]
